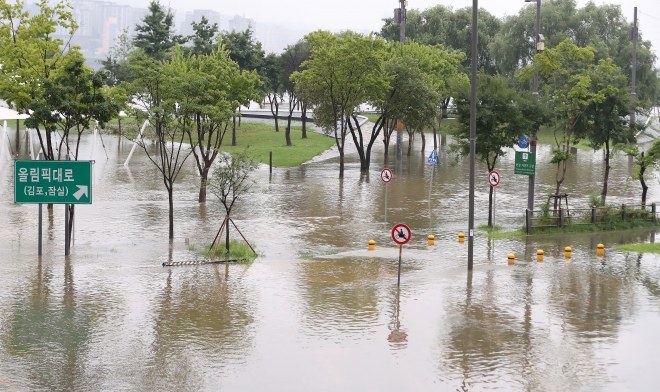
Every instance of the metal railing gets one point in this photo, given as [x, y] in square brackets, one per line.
[607, 215]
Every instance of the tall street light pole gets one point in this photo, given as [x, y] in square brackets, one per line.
[473, 132]
[402, 38]
[535, 93]
[633, 34]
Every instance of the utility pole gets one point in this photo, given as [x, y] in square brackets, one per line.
[535, 93]
[473, 133]
[633, 94]
[400, 16]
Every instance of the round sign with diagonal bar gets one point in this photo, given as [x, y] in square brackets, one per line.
[494, 178]
[386, 175]
[401, 234]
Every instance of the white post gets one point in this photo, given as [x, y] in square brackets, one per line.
[29, 141]
[91, 153]
[130, 154]
[2, 142]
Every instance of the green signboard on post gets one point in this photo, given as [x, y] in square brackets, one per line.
[53, 182]
[525, 163]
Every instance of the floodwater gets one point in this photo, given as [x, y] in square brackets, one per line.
[318, 312]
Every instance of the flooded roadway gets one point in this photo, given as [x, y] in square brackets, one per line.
[318, 311]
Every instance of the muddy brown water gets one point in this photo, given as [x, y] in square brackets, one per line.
[318, 312]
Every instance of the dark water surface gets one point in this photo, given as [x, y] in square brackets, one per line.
[318, 312]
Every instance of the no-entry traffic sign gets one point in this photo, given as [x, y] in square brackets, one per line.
[401, 234]
[494, 178]
[53, 182]
[386, 175]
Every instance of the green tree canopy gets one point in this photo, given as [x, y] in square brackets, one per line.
[244, 49]
[504, 114]
[344, 71]
[452, 28]
[155, 36]
[602, 27]
[204, 41]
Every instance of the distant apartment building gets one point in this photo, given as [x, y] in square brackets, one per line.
[196, 16]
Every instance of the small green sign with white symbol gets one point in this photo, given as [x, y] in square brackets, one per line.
[53, 182]
[525, 163]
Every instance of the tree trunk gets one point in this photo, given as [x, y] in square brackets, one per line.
[170, 195]
[435, 139]
[202, 187]
[304, 121]
[233, 133]
[341, 163]
[490, 207]
[227, 236]
[18, 137]
[423, 142]
[287, 132]
[410, 143]
[643, 183]
[607, 170]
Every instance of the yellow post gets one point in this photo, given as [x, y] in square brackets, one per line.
[511, 258]
[567, 252]
[540, 254]
[372, 245]
[431, 239]
[461, 237]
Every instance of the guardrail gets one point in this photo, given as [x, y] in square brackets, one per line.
[589, 216]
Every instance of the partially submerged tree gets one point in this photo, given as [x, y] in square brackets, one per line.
[230, 181]
[71, 102]
[568, 71]
[220, 87]
[156, 92]
[643, 161]
[504, 114]
[606, 123]
[343, 72]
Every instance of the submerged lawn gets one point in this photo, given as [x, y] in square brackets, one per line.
[641, 248]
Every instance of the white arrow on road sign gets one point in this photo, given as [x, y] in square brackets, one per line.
[82, 191]
[386, 175]
[494, 178]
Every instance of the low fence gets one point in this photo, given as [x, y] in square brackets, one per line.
[539, 220]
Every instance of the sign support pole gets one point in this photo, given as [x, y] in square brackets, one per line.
[40, 222]
[494, 204]
[66, 230]
[398, 279]
[386, 203]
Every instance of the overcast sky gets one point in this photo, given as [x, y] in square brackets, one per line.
[367, 14]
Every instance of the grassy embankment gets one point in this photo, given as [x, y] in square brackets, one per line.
[640, 248]
[260, 139]
[614, 226]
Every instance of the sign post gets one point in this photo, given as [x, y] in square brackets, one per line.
[494, 181]
[433, 159]
[53, 182]
[386, 177]
[400, 235]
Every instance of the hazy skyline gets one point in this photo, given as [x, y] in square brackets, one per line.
[367, 14]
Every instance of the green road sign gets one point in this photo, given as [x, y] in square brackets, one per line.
[525, 163]
[53, 182]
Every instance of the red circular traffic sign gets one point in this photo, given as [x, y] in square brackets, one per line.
[386, 175]
[401, 234]
[494, 178]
